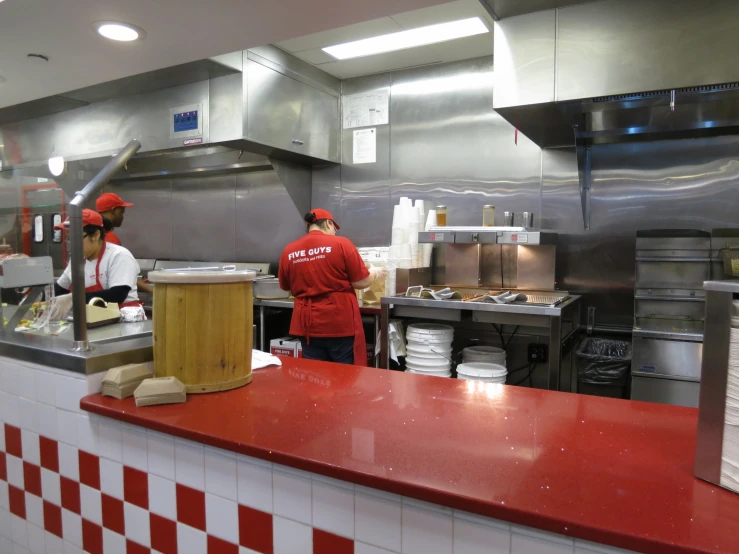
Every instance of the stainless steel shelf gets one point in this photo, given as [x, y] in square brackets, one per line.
[522, 309]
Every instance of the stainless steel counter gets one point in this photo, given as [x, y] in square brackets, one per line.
[553, 318]
[114, 345]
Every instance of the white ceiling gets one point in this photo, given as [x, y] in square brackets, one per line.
[309, 47]
[179, 31]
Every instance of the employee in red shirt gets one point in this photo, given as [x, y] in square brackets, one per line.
[321, 271]
[113, 209]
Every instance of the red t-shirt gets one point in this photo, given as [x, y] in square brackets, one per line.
[111, 237]
[321, 268]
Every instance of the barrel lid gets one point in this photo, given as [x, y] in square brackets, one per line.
[197, 276]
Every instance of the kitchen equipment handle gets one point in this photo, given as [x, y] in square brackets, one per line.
[298, 142]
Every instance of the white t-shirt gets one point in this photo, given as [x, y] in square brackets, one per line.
[118, 268]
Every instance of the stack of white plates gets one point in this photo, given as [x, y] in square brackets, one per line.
[479, 371]
[485, 354]
[429, 349]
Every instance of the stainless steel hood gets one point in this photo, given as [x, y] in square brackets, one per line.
[692, 112]
[262, 101]
[619, 71]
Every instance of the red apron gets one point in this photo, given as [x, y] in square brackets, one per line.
[360, 343]
[98, 286]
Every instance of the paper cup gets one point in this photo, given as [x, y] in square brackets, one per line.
[430, 220]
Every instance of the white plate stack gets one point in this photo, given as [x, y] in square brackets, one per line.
[485, 354]
[429, 347]
[480, 371]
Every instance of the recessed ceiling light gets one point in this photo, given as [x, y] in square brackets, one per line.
[56, 166]
[122, 32]
[408, 39]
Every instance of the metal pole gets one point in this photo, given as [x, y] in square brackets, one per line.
[79, 310]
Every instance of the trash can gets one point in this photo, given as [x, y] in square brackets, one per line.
[603, 367]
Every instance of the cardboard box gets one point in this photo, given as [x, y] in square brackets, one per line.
[286, 346]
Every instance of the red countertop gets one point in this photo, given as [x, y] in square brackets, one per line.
[611, 471]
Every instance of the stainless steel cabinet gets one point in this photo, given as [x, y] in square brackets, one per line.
[291, 115]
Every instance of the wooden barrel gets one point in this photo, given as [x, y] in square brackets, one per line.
[203, 328]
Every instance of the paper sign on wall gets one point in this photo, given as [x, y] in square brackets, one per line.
[365, 109]
[365, 146]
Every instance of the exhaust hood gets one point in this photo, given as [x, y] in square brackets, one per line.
[262, 101]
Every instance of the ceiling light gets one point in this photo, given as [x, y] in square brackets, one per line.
[408, 39]
[122, 32]
[56, 166]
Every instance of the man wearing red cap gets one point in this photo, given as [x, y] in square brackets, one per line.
[321, 271]
[112, 207]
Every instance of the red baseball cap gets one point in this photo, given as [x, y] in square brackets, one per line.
[324, 214]
[89, 217]
[109, 201]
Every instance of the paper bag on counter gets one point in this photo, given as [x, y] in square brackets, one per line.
[160, 390]
[121, 382]
[99, 311]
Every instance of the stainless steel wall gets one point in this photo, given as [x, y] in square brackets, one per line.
[677, 184]
[444, 144]
[241, 217]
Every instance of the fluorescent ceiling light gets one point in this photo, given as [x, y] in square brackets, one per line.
[408, 39]
[122, 32]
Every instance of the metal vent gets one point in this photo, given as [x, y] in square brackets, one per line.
[655, 93]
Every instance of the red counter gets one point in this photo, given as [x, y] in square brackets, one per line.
[610, 471]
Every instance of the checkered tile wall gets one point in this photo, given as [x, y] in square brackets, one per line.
[72, 483]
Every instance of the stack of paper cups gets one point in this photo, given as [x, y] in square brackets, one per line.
[428, 248]
[413, 228]
[400, 226]
[406, 259]
[421, 209]
[390, 280]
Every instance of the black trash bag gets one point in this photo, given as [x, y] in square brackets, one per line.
[604, 361]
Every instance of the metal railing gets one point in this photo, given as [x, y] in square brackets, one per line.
[79, 310]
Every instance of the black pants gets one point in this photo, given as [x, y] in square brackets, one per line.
[329, 349]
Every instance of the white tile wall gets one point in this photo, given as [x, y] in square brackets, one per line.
[4, 502]
[189, 459]
[69, 548]
[34, 510]
[87, 434]
[291, 537]
[160, 449]
[111, 478]
[91, 504]
[586, 547]
[137, 524]
[220, 475]
[113, 543]
[527, 541]
[15, 471]
[362, 548]
[254, 483]
[163, 497]
[51, 486]
[222, 518]
[47, 420]
[19, 531]
[377, 518]
[333, 506]
[36, 540]
[66, 427]
[54, 543]
[69, 464]
[9, 409]
[477, 535]
[45, 387]
[28, 415]
[427, 529]
[292, 494]
[190, 540]
[31, 447]
[134, 447]
[72, 528]
[110, 440]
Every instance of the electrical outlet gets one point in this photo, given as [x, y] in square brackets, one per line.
[538, 353]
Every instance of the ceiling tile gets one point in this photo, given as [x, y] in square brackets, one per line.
[464, 48]
[315, 56]
[380, 63]
[452, 11]
[349, 33]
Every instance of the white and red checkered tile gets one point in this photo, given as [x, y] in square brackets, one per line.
[72, 482]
